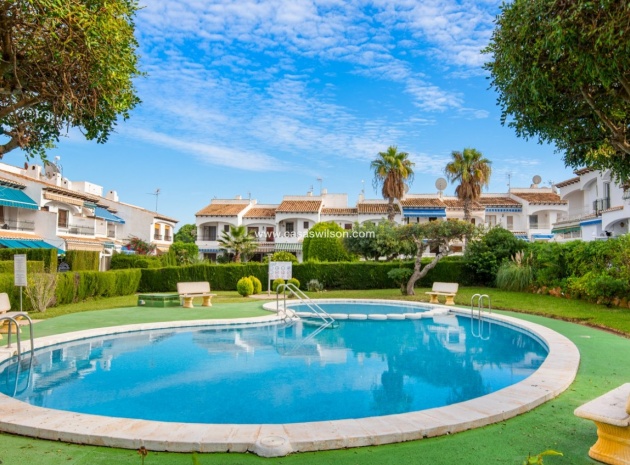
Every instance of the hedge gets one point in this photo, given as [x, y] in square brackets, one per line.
[125, 262]
[83, 260]
[48, 256]
[32, 266]
[344, 275]
[78, 286]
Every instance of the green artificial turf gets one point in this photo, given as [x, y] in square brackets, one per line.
[605, 364]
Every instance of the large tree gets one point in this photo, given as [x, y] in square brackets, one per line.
[237, 241]
[472, 171]
[187, 234]
[393, 171]
[64, 64]
[562, 71]
[437, 235]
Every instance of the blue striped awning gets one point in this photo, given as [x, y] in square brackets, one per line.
[542, 236]
[10, 197]
[589, 222]
[424, 212]
[209, 250]
[25, 244]
[100, 212]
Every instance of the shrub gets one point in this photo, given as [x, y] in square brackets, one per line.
[314, 286]
[257, 284]
[245, 287]
[32, 266]
[281, 256]
[295, 282]
[604, 289]
[186, 253]
[83, 260]
[41, 290]
[48, 256]
[276, 282]
[324, 242]
[400, 276]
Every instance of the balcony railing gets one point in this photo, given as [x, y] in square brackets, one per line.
[76, 229]
[111, 234]
[208, 237]
[600, 205]
[168, 238]
[13, 225]
[157, 237]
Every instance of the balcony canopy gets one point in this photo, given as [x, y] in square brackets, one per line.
[424, 212]
[10, 197]
[25, 244]
[100, 212]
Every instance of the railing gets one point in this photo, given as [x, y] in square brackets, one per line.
[13, 225]
[168, 238]
[601, 204]
[483, 328]
[208, 237]
[157, 237]
[111, 234]
[76, 229]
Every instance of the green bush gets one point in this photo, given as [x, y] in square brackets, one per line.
[48, 256]
[257, 284]
[314, 286]
[281, 256]
[245, 287]
[32, 266]
[324, 243]
[295, 282]
[400, 276]
[186, 253]
[275, 283]
[122, 261]
[604, 289]
[512, 277]
[83, 260]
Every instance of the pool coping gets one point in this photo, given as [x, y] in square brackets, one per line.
[554, 376]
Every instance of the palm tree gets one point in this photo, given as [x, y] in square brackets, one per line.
[238, 241]
[392, 171]
[472, 171]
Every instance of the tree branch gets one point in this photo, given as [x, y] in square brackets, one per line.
[11, 145]
[16, 106]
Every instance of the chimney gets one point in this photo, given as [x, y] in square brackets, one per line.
[33, 171]
[238, 197]
[112, 195]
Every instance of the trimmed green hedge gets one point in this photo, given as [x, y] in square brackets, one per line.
[7, 266]
[48, 256]
[83, 260]
[125, 262]
[344, 275]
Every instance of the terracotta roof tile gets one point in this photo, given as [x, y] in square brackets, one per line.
[497, 201]
[12, 183]
[374, 208]
[260, 213]
[613, 209]
[423, 202]
[456, 204]
[221, 209]
[299, 206]
[583, 171]
[541, 198]
[18, 235]
[568, 182]
[339, 211]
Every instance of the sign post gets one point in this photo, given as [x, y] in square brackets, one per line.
[19, 272]
[282, 270]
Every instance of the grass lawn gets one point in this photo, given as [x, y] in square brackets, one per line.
[605, 364]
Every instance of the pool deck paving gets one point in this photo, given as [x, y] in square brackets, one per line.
[553, 377]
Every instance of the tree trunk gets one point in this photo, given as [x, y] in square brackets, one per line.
[418, 271]
[391, 213]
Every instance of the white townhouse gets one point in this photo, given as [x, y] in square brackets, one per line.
[598, 207]
[541, 208]
[41, 208]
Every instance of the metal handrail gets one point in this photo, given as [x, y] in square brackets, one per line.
[479, 320]
[11, 319]
[313, 307]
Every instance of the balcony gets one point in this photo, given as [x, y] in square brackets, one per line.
[168, 238]
[76, 229]
[12, 225]
[600, 205]
[208, 237]
[157, 237]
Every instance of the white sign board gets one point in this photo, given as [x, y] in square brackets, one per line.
[19, 269]
[280, 270]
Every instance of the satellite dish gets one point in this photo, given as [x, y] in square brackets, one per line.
[536, 179]
[51, 169]
[440, 184]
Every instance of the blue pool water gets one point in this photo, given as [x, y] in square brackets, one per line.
[276, 373]
[362, 308]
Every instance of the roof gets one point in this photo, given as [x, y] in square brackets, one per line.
[260, 213]
[568, 182]
[457, 204]
[497, 201]
[583, 171]
[340, 211]
[12, 183]
[432, 202]
[541, 198]
[375, 208]
[299, 206]
[4, 234]
[222, 209]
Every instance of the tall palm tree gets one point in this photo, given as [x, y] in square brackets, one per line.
[392, 171]
[237, 241]
[472, 171]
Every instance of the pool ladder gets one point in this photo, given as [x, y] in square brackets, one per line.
[319, 312]
[11, 318]
[482, 325]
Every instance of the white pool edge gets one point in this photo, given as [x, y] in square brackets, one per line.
[269, 440]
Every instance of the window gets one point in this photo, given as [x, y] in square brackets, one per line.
[491, 220]
[167, 233]
[209, 233]
[156, 233]
[289, 229]
[533, 221]
[252, 231]
[347, 226]
[62, 218]
[510, 222]
[226, 228]
[307, 225]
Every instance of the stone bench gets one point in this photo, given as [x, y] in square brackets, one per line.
[448, 290]
[189, 290]
[611, 414]
[5, 311]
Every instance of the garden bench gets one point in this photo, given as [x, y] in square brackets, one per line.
[189, 290]
[5, 307]
[446, 289]
[611, 414]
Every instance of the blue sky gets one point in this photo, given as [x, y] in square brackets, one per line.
[263, 97]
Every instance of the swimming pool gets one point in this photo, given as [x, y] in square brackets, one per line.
[390, 385]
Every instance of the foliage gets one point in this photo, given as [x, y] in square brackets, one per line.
[484, 256]
[31, 266]
[295, 282]
[245, 287]
[516, 274]
[139, 246]
[538, 459]
[324, 243]
[400, 276]
[48, 256]
[393, 172]
[314, 286]
[65, 64]
[122, 261]
[239, 242]
[41, 290]
[281, 256]
[83, 260]
[472, 171]
[437, 235]
[275, 283]
[374, 241]
[186, 234]
[186, 253]
[561, 71]
[257, 284]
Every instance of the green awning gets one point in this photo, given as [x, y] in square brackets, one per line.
[566, 230]
[289, 247]
[10, 197]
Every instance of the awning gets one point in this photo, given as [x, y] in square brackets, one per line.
[504, 209]
[25, 244]
[521, 236]
[265, 247]
[209, 250]
[64, 199]
[288, 247]
[589, 222]
[566, 230]
[100, 212]
[424, 212]
[10, 197]
[83, 245]
[542, 236]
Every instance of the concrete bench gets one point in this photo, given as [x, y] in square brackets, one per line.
[5, 311]
[611, 414]
[188, 291]
[447, 290]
